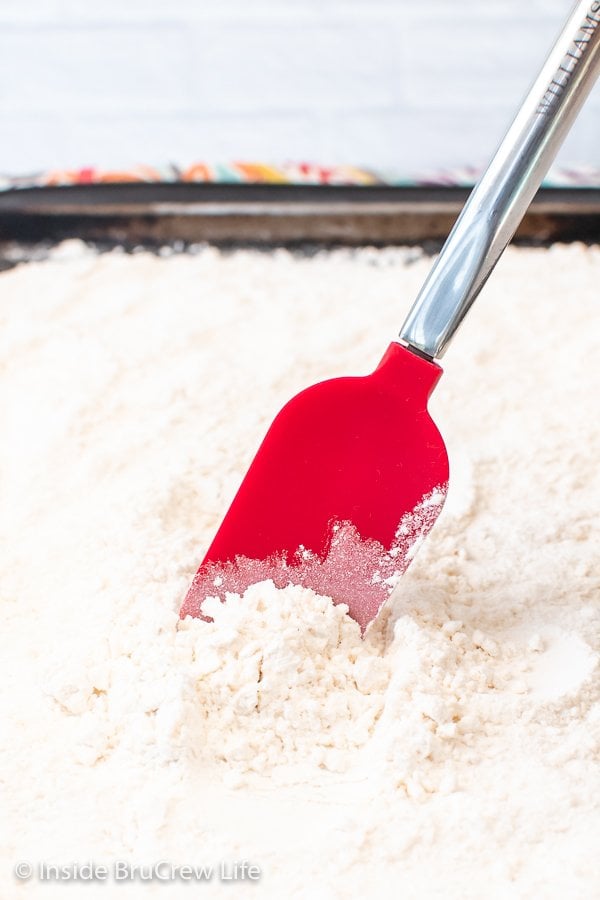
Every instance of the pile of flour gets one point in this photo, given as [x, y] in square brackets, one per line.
[451, 753]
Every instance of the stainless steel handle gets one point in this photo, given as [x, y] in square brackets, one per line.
[499, 200]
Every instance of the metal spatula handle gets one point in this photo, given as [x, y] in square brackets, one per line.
[500, 199]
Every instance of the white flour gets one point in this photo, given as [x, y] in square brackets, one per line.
[454, 752]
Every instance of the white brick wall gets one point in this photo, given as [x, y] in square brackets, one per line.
[395, 84]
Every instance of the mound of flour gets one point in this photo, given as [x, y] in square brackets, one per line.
[451, 753]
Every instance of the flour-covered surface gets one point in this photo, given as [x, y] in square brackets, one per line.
[451, 753]
[360, 573]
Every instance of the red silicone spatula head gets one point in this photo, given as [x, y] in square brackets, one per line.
[350, 476]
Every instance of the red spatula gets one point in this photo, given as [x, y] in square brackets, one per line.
[353, 472]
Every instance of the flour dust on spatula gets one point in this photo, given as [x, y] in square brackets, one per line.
[359, 572]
